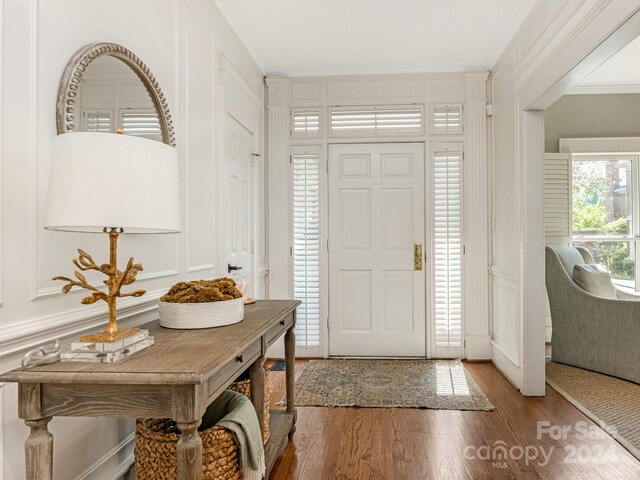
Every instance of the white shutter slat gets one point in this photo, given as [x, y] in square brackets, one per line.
[305, 122]
[446, 119]
[97, 121]
[557, 196]
[306, 247]
[448, 248]
[141, 123]
[376, 121]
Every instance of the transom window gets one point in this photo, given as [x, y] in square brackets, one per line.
[376, 121]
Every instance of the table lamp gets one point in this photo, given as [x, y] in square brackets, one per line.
[112, 184]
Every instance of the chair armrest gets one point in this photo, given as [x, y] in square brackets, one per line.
[625, 295]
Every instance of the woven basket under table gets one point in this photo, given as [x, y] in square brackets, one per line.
[155, 451]
[156, 439]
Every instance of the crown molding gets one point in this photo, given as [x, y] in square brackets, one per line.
[326, 71]
[603, 89]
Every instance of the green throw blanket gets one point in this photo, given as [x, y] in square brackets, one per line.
[235, 412]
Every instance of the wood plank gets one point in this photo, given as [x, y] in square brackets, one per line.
[119, 401]
[280, 423]
[389, 444]
[178, 356]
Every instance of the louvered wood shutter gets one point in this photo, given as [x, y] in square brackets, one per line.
[557, 199]
[447, 218]
[141, 123]
[306, 246]
[305, 122]
[98, 121]
[446, 119]
[376, 121]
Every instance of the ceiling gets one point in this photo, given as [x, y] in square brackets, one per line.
[621, 73]
[327, 37]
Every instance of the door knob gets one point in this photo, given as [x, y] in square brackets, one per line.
[231, 268]
[417, 256]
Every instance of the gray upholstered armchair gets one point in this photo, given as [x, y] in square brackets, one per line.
[599, 334]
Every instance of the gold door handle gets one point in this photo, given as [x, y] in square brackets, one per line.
[417, 256]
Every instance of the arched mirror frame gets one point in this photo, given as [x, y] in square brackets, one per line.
[70, 84]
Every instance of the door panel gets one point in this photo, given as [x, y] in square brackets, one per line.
[238, 200]
[376, 215]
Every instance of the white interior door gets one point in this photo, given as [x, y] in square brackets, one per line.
[237, 206]
[376, 217]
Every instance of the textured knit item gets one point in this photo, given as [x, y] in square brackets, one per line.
[243, 386]
[235, 412]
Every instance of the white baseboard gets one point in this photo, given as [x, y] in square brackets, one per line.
[104, 468]
[478, 347]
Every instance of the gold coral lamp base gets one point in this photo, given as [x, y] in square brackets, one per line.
[116, 279]
[110, 337]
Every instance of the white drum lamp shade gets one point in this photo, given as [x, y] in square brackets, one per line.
[102, 181]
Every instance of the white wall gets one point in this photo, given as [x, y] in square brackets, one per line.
[181, 41]
[559, 44]
[583, 116]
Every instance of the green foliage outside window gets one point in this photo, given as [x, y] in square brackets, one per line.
[593, 183]
[615, 256]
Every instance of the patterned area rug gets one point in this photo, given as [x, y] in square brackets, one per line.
[436, 384]
[603, 399]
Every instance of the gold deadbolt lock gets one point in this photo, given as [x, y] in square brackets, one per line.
[417, 256]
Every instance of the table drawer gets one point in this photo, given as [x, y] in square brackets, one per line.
[277, 330]
[233, 369]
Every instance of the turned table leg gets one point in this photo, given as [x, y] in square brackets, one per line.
[189, 451]
[257, 378]
[39, 450]
[290, 360]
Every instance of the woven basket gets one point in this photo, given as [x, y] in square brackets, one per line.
[155, 451]
[156, 439]
[244, 387]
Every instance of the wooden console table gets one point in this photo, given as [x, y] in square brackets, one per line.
[176, 378]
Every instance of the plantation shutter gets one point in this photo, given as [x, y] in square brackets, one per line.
[446, 119]
[305, 122]
[557, 199]
[98, 121]
[376, 121]
[447, 198]
[306, 246]
[141, 123]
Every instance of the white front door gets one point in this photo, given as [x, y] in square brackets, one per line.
[237, 207]
[376, 218]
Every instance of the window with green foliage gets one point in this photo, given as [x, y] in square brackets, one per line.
[604, 212]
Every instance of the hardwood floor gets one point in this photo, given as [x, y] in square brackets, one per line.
[416, 444]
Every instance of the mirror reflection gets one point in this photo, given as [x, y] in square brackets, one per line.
[111, 97]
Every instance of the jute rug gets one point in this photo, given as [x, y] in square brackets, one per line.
[436, 384]
[605, 400]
